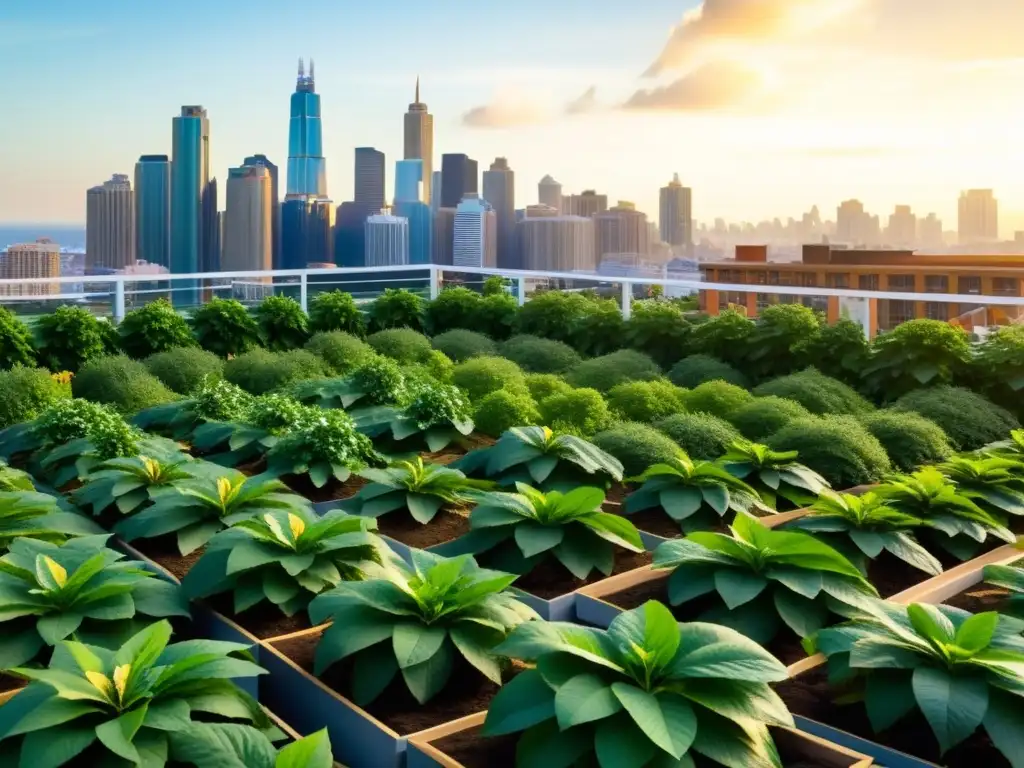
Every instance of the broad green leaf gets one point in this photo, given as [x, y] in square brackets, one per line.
[416, 643]
[222, 745]
[651, 628]
[713, 651]
[930, 623]
[521, 703]
[425, 680]
[888, 697]
[51, 712]
[680, 502]
[313, 751]
[953, 705]
[117, 734]
[474, 642]
[1002, 723]
[621, 743]
[372, 672]
[546, 745]
[534, 539]
[803, 616]
[583, 699]
[647, 713]
[738, 587]
[55, 746]
[976, 632]
[58, 626]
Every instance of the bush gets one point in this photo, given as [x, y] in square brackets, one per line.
[16, 347]
[582, 412]
[283, 324]
[603, 373]
[552, 315]
[397, 308]
[839, 350]
[968, 419]
[816, 392]
[600, 329]
[916, 354]
[695, 370]
[544, 385]
[437, 369]
[121, 383]
[496, 315]
[68, 337]
[383, 382]
[156, 327]
[645, 401]
[402, 344]
[838, 448]
[455, 307]
[225, 327]
[909, 438]
[701, 435]
[538, 355]
[483, 375]
[499, 411]
[776, 335]
[998, 369]
[336, 311]
[764, 416]
[637, 446]
[460, 345]
[658, 329]
[342, 351]
[719, 398]
[723, 337]
[261, 371]
[27, 392]
[185, 368]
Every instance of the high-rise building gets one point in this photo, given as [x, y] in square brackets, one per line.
[539, 211]
[421, 229]
[387, 240]
[275, 202]
[153, 210]
[443, 241]
[307, 168]
[369, 178]
[549, 192]
[31, 260]
[435, 198]
[855, 226]
[929, 232]
[459, 178]
[499, 189]
[210, 256]
[249, 220]
[409, 181]
[978, 220]
[475, 240]
[676, 214]
[557, 243]
[902, 229]
[190, 180]
[588, 203]
[621, 231]
[307, 231]
[419, 142]
[110, 225]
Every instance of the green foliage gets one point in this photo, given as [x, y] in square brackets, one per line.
[724, 337]
[436, 415]
[482, 375]
[29, 515]
[460, 344]
[600, 329]
[636, 446]
[342, 351]
[646, 401]
[910, 439]
[1011, 448]
[647, 691]
[839, 350]
[438, 368]
[818, 393]
[396, 308]
[261, 371]
[764, 416]
[381, 382]
[67, 420]
[695, 370]
[552, 315]
[496, 315]
[503, 409]
[700, 435]
[1010, 578]
[16, 346]
[538, 355]
[69, 337]
[544, 385]
[27, 392]
[225, 327]
[121, 382]
[718, 398]
[336, 311]
[129, 483]
[12, 479]
[968, 419]
[323, 445]
[997, 370]
[658, 329]
[582, 411]
[995, 484]
[155, 327]
[412, 487]
[603, 373]
[838, 448]
[184, 369]
[49, 593]
[282, 323]
[777, 476]
[455, 307]
[402, 344]
[915, 354]
[418, 621]
[763, 581]
[495, 285]
[779, 330]
[219, 400]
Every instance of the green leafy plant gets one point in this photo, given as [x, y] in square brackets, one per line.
[49, 593]
[694, 370]
[460, 344]
[916, 354]
[210, 745]
[724, 337]
[129, 483]
[225, 327]
[282, 323]
[502, 410]
[700, 435]
[455, 307]
[658, 329]
[551, 315]
[323, 445]
[420, 489]
[436, 416]
[260, 371]
[402, 345]
[537, 355]
[26, 392]
[184, 369]
[377, 382]
[839, 350]
[480, 376]
[995, 484]
[764, 416]
[599, 329]
[778, 332]
[420, 621]
[342, 351]
[838, 448]
[645, 692]
[717, 398]
[214, 400]
[1011, 578]
[816, 392]
[12, 479]
[583, 411]
[120, 382]
[267, 418]
[773, 474]
[910, 439]
[16, 345]
[544, 385]
[646, 401]
[336, 311]
[636, 446]
[1011, 448]
[397, 308]
[968, 419]
[603, 373]
[68, 337]
[156, 327]
[31, 515]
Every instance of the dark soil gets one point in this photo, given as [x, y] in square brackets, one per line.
[980, 598]
[10, 683]
[550, 578]
[890, 575]
[655, 521]
[467, 691]
[617, 493]
[163, 550]
[447, 525]
[811, 696]
[254, 467]
[332, 491]
[264, 620]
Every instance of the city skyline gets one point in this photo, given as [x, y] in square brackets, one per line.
[554, 102]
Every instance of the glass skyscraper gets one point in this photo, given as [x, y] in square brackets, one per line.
[190, 178]
[275, 203]
[307, 168]
[153, 209]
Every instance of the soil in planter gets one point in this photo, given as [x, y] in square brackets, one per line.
[466, 693]
[890, 575]
[447, 525]
[616, 493]
[550, 578]
[653, 521]
[163, 550]
[811, 696]
[254, 467]
[979, 598]
[264, 620]
[10, 683]
[332, 491]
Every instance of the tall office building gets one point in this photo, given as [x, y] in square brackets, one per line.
[419, 142]
[110, 225]
[387, 240]
[190, 181]
[539, 211]
[557, 243]
[153, 210]
[588, 203]
[409, 181]
[249, 220]
[549, 192]
[435, 186]
[676, 214]
[307, 232]
[475, 238]
[210, 256]
[275, 202]
[369, 176]
[31, 260]
[459, 178]
[978, 219]
[409, 204]
[499, 189]
[853, 224]
[443, 241]
[902, 229]
[929, 232]
[621, 231]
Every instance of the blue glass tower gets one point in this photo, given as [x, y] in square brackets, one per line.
[153, 209]
[421, 229]
[307, 168]
[190, 179]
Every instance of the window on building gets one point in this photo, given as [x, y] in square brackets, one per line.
[773, 277]
[968, 284]
[936, 310]
[1006, 286]
[765, 300]
[899, 312]
[936, 284]
[868, 282]
[900, 283]
[809, 279]
[838, 280]
[756, 277]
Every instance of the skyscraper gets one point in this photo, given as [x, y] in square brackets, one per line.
[26, 260]
[856, 226]
[419, 141]
[307, 232]
[459, 178]
[557, 243]
[369, 176]
[190, 179]
[409, 205]
[621, 231]
[435, 185]
[153, 209]
[475, 237]
[387, 240]
[110, 225]
[307, 169]
[549, 192]
[587, 204]
[499, 187]
[249, 220]
[902, 229]
[275, 202]
[210, 257]
[443, 239]
[978, 219]
[409, 181]
[676, 214]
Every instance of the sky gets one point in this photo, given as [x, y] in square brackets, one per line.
[763, 107]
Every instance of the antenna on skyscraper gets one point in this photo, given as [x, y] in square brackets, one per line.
[311, 65]
[302, 69]
[417, 89]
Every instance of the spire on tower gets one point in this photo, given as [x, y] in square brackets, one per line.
[311, 77]
[417, 89]
[302, 69]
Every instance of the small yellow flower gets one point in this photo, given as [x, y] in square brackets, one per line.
[224, 489]
[151, 466]
[547, 433]
[57, 571]
[296, 525]
[121, 679]
[64, 377]
[101, 683]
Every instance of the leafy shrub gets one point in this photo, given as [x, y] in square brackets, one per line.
[764, 416]
[16, 347]
[645, 401]
[438, 368]
[719, 398]
[723, 337]
[156, 327]
[397, 308]
[68, 337]
[25, 514]
[401, 344]
[261, 371]
[816, 392]
[701, 435]
[283, 325]
[582, 412]
[67, 420]
[225, 327]
[497, 315]
[342, 351]
[455, 307]
[503, 409]
[121, 382]
[336, 311]
[415, 489]
[544, 385]
[692, 371]
[483, 375]
[219, 400]
[909, 438]
[779, 329]
[125, 485]
[839, 350]
[600, 329]
[551, 314]
[538, 355]
[460, 344]
[637, 446]
[603, 373]
[916, 354]
[658, 329]
[185, 368]
[968, 419]
[26, 392]
[998, 367]
[779, 479]
[382, 382]
[836, 447]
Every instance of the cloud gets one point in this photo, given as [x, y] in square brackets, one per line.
[505, 113]
[714, 86]
[585, 102]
